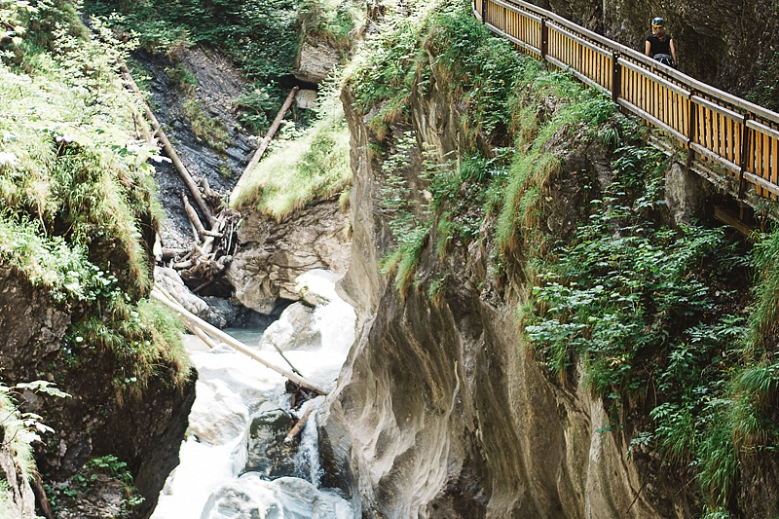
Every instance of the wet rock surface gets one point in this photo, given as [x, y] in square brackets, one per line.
[241, 419]
[268, 454]
[293, 331]
[217, 311]
[212, 97]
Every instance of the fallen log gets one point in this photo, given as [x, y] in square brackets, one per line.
[168, 253]
[166, 145]
[190, 319]
[299, 425]
[203, 336]
[193, 217]
[41, 498]
[264, 144]
[212, 234]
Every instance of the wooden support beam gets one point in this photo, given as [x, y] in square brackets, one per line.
[726, 217]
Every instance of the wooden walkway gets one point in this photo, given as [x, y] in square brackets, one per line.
[714, 126]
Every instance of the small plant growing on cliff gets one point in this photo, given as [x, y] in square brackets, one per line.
[98, 478]
[18, 430]
[210, 130]
[182, 78]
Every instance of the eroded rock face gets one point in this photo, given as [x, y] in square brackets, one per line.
[441, 411]
[719, 42]
[272, 255]
[27, 317]
[143, 432]
[213, 98]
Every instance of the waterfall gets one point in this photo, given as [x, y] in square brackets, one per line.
[234, 461]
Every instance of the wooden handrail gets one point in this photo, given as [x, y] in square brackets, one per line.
[720, 127]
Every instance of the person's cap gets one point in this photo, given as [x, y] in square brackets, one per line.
[658, 22]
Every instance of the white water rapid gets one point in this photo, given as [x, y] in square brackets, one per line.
[233, 463]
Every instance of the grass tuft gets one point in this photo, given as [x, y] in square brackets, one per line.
[297, 172]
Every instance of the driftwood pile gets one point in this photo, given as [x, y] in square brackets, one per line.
[212, 222]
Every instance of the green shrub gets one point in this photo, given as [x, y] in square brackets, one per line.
[77, 195]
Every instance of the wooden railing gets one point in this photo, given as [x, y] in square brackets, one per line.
[739, 136]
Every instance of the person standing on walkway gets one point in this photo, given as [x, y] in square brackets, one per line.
[660, 45]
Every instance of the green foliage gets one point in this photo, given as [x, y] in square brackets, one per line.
[257, 105]
[765, 314]
[409, 220]
[211, 130]
[476, 67]
[90, 480]
[19, 430]
[313, 166]
[77, 193]
[635, 302]
[333, 21]
[181, 78]
[383, 71]
[139, 336]
[17, 437]
[766, 89]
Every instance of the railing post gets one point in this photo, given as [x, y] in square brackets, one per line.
[616, 77]
[742, 185]
[544, 39]
[484, 10]
[692, 129]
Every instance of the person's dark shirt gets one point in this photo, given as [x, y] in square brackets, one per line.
[657, 46]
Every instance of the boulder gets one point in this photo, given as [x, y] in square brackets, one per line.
[315, 62]
[268, 454]
[306, 99]
[170, 280]
[295, 330]
[273, 254]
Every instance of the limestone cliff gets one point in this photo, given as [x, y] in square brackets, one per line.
[441, 410]
[143, 432]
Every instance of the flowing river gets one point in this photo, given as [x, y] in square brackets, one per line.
[235, 462]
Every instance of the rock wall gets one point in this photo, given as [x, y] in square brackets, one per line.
[722, 43]
[273, 254]
[145, 433]
[441, 411]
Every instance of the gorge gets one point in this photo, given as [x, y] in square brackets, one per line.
[548, 322]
